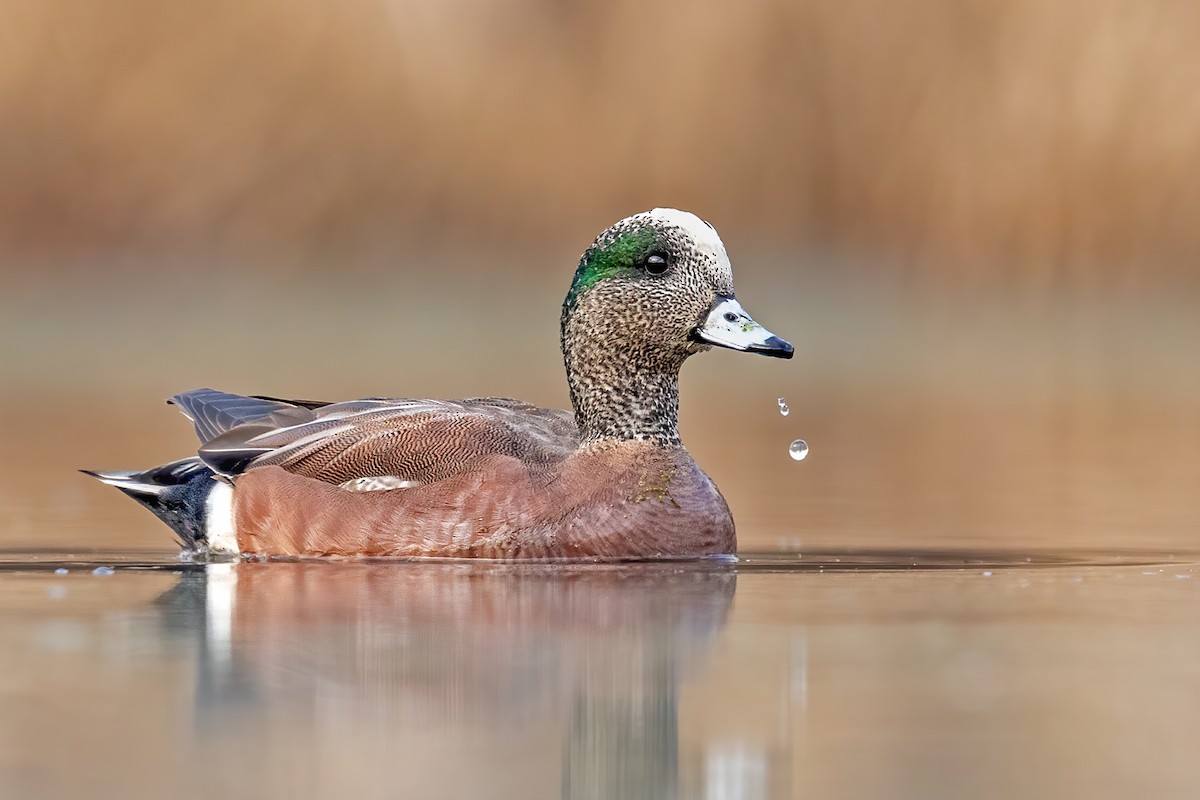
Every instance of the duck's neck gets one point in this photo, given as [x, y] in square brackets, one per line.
[621, 395]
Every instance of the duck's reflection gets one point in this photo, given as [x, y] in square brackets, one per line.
[572, 670]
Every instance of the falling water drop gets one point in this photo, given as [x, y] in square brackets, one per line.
[798, 450]
[783, 407]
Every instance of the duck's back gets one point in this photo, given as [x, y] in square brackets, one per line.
[374, 443]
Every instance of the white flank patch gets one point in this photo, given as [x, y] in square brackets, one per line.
[219, 529]
[377, 483]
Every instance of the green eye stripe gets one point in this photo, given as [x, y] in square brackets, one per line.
[623, 253]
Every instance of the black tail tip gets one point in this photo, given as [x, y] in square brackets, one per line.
[175, 492]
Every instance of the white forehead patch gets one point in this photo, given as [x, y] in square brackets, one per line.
[704, 237]
[700, 231]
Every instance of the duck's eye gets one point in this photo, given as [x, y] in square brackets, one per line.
[656, 264]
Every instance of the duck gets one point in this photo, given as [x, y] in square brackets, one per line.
[487, 477]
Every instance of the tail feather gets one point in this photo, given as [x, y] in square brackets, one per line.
[174, 492]
[151, 482]
[185, 494]
[125, 479]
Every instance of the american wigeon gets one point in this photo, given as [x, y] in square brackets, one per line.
[489, 477]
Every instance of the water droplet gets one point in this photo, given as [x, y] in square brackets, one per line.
[798, 450]
[61, 571]
[783, 407]
[102, 571]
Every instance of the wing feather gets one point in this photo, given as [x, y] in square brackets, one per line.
[405, 439]
[214, 413]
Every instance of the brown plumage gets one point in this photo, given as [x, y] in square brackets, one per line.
[617, 500]
[419, 440]
[491, 477]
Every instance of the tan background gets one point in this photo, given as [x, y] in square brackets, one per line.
[975, 220]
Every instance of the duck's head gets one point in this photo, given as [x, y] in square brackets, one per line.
[658, 286]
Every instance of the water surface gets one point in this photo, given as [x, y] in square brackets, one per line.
[873, 674]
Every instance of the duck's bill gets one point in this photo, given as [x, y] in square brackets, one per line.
[728, 325]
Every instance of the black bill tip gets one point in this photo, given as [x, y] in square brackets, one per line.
[774, 347]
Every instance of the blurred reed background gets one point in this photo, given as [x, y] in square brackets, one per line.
[976, 220]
